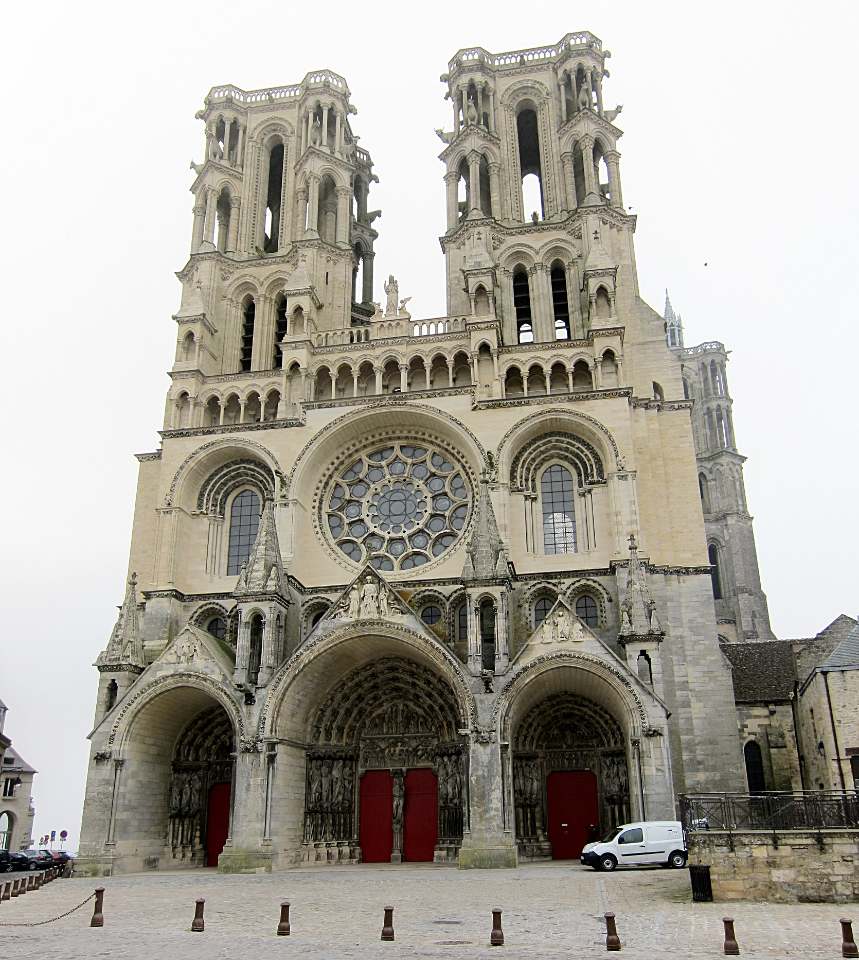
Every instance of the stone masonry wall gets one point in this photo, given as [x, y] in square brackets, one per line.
[788, 867]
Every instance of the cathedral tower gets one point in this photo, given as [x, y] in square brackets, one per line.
[388, 564]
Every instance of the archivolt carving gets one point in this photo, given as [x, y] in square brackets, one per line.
[526, 466]
[571, 417]
[214, 492]
[137, 701]
[264, 453]
[612, 674]
[317, 646]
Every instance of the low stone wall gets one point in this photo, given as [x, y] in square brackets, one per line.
[795, 866]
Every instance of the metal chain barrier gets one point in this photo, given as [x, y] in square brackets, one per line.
[40, 923]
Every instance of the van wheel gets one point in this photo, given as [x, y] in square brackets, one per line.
[677, 860]
[607, 862]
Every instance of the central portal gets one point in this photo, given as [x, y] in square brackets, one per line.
[399, 816]
[386, 772]
[571, 797]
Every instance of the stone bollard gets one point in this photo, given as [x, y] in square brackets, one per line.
[732, 948]
[37, 883]
[98, 908]
[31, 882]
[496, 938]
[7, 890]
[15, 884]
[283, 928]
[388, 927]
[612, 940]
[848, 944]
[197, 924]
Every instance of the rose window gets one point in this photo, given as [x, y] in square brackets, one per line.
[398, 506]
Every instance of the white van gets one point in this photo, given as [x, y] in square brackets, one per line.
[636, 844]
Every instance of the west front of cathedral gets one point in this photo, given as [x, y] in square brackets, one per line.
[401, 589]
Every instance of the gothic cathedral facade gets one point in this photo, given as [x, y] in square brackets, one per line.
[422, 589]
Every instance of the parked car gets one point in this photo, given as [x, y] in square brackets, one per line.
[60, 857]
[12, 860]
[39, 859]
[638, 844]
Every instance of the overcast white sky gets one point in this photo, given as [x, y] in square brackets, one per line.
[739, 158]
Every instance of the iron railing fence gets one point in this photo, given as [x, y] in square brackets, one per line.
[782, 810]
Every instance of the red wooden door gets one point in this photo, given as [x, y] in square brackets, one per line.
[420, 817]
[376, 831]
[572, 801]
[217, 822]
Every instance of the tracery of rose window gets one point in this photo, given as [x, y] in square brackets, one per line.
[398, 505]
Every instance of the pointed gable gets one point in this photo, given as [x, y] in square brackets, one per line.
[486, 555]
[125, 646]
[263, 571]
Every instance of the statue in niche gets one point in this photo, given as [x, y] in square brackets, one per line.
[584, 98]
[369, 599]
[315, 783]
[652, 619]
[353, 606]
[392, 290]
[455, 788]
[326, 782]
[316, 132]
[383, 604]
[470, 113]
[443, 778]
[626, 616]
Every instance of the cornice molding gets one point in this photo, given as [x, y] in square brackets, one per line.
[622, 392]
[229, 428]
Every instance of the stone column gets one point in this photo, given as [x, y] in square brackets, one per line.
[313, 206]
[323, 140]
[502, 647]
[211, 210]
[570, 379]
[599, 95]
[491, 110]
[473, 182]
[541, 298]
[338, 133]
[495, 190]
[233, 229]
[480, 104]
[309, 128]
[301, 217]
[450, 373]
[263, 335]
[244, 851]
[587, 145]
[596, 372]
[228, 132]
[474, 657]
[243, 645]
[242, 405]
[562, 89]
[199, 224]
[612, 159]
[267, 661]
[569, 180]
[343, 195]
[355, 377]
[404, 378]
[332, 376]
[367, 292]
[451, 181]
[240, 145]
[378, 371]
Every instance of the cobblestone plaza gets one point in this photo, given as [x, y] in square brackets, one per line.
[549, 910]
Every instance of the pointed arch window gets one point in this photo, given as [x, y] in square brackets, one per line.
[715, 573]
[281, 325]
[587, 610]
[5, 830]
[487, 634]
[557, 490]
[462, 622]
[247, 344]
[541, 610]
[244, 523]
[560, 305]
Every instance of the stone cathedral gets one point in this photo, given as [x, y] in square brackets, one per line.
[422, 589]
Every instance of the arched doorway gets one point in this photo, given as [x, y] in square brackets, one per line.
[173, 789]
[570, 777]
[386, 772]
[754, 767]
[199, 819]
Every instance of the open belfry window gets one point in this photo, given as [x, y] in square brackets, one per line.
[522, 305]
[246, 347]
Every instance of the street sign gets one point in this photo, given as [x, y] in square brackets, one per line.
[64, 834]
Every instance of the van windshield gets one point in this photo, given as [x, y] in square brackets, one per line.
[610, 835]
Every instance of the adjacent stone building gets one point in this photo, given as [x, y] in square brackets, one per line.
[16, 788]
[422, 588]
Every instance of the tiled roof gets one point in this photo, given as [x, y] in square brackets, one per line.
[763, 670]
[846, 655]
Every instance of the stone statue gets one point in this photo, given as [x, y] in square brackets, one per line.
[444, 137]
[443, 778]
[326, 782]
[399, 795]
[392, 290]
[455, 785]
[653, 620]
[337, 783]
[561, 626]
[315, 783]
[470, 113]
[383, 604]
[354, 605]
[612, 115]
[626, 616]
[584, 98]
[316, 132]
[369, 599]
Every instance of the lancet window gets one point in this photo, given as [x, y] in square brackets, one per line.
[244, 522]
[559, 518]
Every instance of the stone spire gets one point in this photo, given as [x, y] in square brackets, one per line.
[486, 555]
[262, 572]
[673, 323]
[125, 646]
[638, 609]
